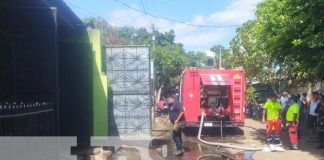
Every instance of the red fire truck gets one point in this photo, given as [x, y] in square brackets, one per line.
[219, 93]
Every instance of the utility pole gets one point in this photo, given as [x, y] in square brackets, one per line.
[153, 40]
[132, 38]
[153, 36]
[220, 58]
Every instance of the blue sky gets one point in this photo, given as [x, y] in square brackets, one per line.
[198, 12]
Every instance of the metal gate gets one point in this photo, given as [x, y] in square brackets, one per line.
[27, 118]
[128, 71]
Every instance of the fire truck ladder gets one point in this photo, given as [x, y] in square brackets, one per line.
[193, 71]
[237, 98]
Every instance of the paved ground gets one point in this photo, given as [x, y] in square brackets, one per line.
[252, 135]
[308, 150]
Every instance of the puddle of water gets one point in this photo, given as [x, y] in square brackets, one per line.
[163, 149]
[192, 151]
[246, 155]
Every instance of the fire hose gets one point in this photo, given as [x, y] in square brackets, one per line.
[226, 145]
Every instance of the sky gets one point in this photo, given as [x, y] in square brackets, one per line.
[212, 13]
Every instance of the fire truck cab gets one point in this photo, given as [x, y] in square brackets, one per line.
[219, 93]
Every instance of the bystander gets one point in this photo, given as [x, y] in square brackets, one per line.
[320, 111]
[312, 116]
[284, 102]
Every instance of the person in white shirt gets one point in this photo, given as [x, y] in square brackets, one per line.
[312, 116]
[284, 102]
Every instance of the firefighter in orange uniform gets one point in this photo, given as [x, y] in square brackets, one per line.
[272, 114]
[292, 121]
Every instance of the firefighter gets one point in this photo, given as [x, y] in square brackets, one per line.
[272, 114]
[292, 119]
[176, 116]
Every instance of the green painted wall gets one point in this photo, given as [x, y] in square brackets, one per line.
[100, 98]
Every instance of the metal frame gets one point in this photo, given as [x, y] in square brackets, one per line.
[129, 74]
[14, 113]
[27, 118]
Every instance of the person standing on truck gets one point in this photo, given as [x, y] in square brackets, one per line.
[176, 117]
[292, 119]
[272, 113]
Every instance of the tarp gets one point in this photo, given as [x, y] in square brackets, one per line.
[216, 79]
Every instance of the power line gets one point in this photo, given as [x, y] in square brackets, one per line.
[143, 5]
[174, 20]
[144, 11]
[82, 9]
[146, 18]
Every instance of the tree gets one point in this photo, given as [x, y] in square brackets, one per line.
[250, 93]
[169, 57]
[164, 39]
[134, 36]
[282, 42]
[108, 34]
[140, 36]
[257, 64]
[292, 31]
[196, 59]
[169, 64]
[224, 55]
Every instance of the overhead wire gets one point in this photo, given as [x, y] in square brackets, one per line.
[173, 20]
[146, 18]
[82, 9]
[144, 11]
[143, 5]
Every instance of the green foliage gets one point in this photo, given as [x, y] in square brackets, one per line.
[169, 58]
[140, 36]
[250, 93]
[244, 54]
[291, 32]
[225, 54]
[284, 41]
[164, 39]
[196, 59]
[108, 34]
[133, 36]
[169, 62]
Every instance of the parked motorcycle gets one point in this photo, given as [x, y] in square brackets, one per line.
[161, 108]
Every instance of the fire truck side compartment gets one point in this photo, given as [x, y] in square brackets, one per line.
[200, 88]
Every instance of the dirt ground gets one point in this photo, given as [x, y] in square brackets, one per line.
[252, 135]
